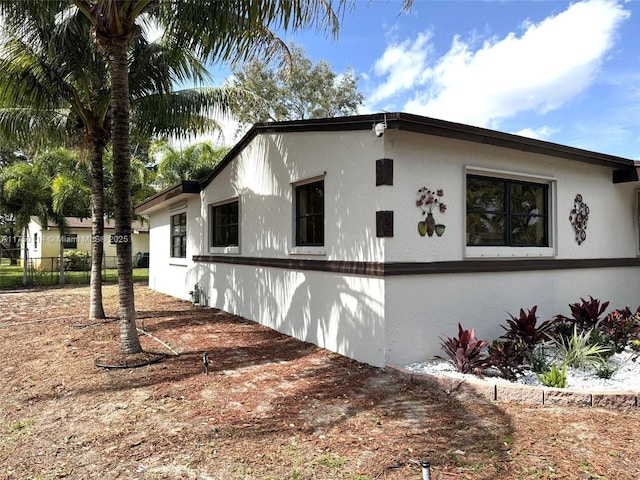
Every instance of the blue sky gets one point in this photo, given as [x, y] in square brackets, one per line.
[565, 72]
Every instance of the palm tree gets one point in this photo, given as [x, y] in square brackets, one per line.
[25, 191]
[212, 29]
[193, 163]
[69, 179]
[56, 83]
[54, 88]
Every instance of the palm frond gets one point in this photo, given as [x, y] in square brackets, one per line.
[29, 126]
[185, 112]
[70, 197]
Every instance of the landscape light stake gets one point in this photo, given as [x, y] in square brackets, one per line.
[205, 361]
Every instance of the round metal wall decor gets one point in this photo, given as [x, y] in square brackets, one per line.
[578, 218]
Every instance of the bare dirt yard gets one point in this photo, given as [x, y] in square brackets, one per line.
[270, 407]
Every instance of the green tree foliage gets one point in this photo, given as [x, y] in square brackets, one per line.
[54, 185]
[70, 180]
[25, 192]
[55, 89]
[295, 91]
[192, 163]
[9, 247]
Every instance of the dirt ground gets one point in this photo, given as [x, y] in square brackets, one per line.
[270, 407]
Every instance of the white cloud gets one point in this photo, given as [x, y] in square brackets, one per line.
[403, 64]
[541, 133]
[543, 68]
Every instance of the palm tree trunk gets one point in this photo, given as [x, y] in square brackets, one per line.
[96, 309]
[14, 246]
[26, 258]
[61, 253]
[118, 69]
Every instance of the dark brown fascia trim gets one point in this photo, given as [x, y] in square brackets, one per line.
[499, 266]
[378, 269]
[349, 268]
[359, 122]
[186, 186]
[433, 126]
[430, 126]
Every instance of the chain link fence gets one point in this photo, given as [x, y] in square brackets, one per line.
[45, 271]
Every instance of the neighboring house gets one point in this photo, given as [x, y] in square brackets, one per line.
[43, 244]
[318, 229]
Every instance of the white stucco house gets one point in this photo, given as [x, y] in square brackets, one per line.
[320, 229]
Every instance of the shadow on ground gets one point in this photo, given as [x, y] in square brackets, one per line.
[269, 407]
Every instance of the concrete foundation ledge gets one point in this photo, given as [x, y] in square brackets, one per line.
[525, 394]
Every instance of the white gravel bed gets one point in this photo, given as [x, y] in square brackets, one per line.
[626, 377]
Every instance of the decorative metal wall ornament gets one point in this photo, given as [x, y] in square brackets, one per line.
[578, 218]
[428, 200]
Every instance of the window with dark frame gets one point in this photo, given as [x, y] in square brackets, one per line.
[225, 225]
[179, 235]
[70, 241]
[309, 223]
[507, 212]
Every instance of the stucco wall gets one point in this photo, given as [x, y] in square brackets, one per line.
[391, 319]
[338, 312]
[344, 314]
[435, 162]
[420, 309]
[169, 275]
[346, 161]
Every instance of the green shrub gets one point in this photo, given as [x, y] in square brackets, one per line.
[578, 351]
[554, 377]
[538, 360]
[606, 371]
[77, 261]
[596, 337]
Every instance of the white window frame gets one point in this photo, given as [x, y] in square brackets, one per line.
[230, 249]
[479, 252]
[307, 249]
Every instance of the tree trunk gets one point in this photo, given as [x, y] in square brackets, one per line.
[14, 247]
[61, 253]
[96, 309]
[25, 258]
[118, 69]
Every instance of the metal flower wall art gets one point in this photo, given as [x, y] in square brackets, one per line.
[578, 218]
[428, 201]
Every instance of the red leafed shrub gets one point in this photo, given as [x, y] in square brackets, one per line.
[526, 329]
[621, 327]
[586, 314]
[466, 352]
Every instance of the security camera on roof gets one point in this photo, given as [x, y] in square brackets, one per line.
[379, 129]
